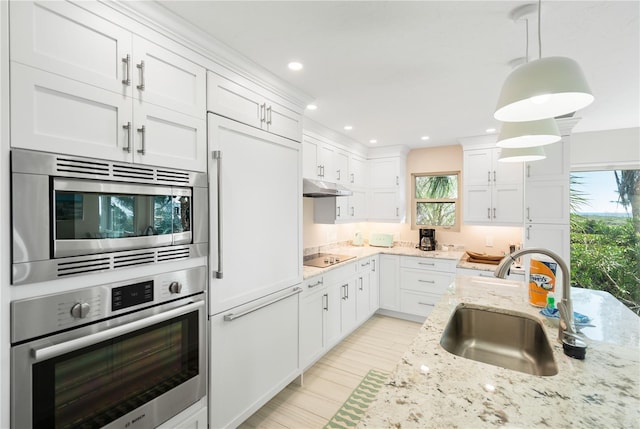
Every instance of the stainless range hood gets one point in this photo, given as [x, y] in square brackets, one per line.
[319, 189]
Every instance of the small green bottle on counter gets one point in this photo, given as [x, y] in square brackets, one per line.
[551, 301]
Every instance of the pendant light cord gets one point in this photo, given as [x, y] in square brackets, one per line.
[539, 34]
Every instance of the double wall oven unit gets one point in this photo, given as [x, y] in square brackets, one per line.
[73, 216]
[129, 354]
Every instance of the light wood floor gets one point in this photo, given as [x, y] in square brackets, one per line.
[378, 344]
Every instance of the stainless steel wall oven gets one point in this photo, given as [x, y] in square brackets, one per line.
[123, 355]
[74, 215]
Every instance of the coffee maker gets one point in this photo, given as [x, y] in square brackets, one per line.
[427, 239]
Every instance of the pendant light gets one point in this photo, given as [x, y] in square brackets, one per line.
[522, 154]
[543, 88]
[527, 134]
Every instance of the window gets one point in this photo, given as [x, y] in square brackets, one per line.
[605, 233]
[435, 200]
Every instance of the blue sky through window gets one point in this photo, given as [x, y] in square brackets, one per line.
[600, 188]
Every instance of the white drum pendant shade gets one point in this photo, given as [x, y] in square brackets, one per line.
[522, 154]
[529, 133]
[543, 88]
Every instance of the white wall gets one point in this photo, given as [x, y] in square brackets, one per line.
[606, 150]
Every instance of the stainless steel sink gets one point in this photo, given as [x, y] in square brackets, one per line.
[489, 335]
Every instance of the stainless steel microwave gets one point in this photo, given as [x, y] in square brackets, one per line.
[73, 216]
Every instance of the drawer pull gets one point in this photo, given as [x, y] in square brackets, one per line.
[427, 281]
[423, 303]
[364, 265]
[231, 316]
[431, 264]
[318, 283]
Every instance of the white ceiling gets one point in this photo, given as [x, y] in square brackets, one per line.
[398, 70]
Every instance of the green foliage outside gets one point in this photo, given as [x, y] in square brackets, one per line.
[605, 250]
[434, 195]
[605, 255]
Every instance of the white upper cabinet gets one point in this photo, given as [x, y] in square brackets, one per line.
[387, 189]
[82, 85]
[245, 102]
[492, 189]
[343, 173]
[385, 172]
[69, 41]
[358, 171]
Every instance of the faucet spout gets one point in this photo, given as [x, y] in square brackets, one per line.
[567, 324]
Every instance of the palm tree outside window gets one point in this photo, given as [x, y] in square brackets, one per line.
[435, 200]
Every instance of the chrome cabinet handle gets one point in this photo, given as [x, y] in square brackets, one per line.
[127, 127]
[488, 212]
[397, 180]
[353, 211]
[127, 62]
[528, 232]
[528, 170]
[494, 176]
[262, 112]
[319, 170]
[488, 177]
[427, 281]
[318, 283]
[217, 155]
[82, 342]
[322, 171]
[353, 178]
[325, 304]
[143, 131]
[338, 175]
[361, 283]
[231, 316]
[373, 266]
[494, 212]
[338, 210]
[529, 213]
[364, 265]
[397, 211]
[269, 110]
[431, 264]
[141, 68]
[423, 303]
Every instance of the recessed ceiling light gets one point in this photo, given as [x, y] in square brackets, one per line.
[348, 127]
[295, 66]
[311, 107]
[373, 141]
[490, 130]
[425, 138]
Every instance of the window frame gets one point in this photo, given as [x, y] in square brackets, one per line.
[456, 201]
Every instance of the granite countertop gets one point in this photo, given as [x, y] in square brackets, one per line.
[409, 250]
[432, 388]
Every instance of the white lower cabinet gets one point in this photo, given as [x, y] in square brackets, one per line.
[254, 355]
[423, 281]
[389, 281]
[312, 308]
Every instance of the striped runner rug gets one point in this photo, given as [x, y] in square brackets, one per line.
[356, 405]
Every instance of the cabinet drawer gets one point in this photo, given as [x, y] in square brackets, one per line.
[425, 281]
[364, 265]
[313, 284]
[341, 273]
[420, 304]
[434, 264]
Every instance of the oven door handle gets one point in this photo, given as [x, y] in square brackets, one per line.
[79, 343]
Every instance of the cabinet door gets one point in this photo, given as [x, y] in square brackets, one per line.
[170, 138]
[547, 202]
[341, 167]
[64, 39]
[311, 325]
[325, 159]
[252, 358]
[506, 173]
[253, 163]
[332, 309]
[363, 296]
[507, 205]
[384, 205]
[283, 121]
[358, 206]
[55, 114]
[477, 167]
[554, 167]
[374, 285]
[234, 101]
[389, 282]
[165, 79]
[477, 204]
[384, 173]
[358, 171]
[310, 162]
[348, 306]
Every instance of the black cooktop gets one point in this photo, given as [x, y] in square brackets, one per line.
[324, 260]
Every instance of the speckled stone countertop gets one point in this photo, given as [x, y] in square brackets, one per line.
[406, 250]
[432, 388]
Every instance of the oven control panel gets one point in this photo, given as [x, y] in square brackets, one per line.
[47, 314]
